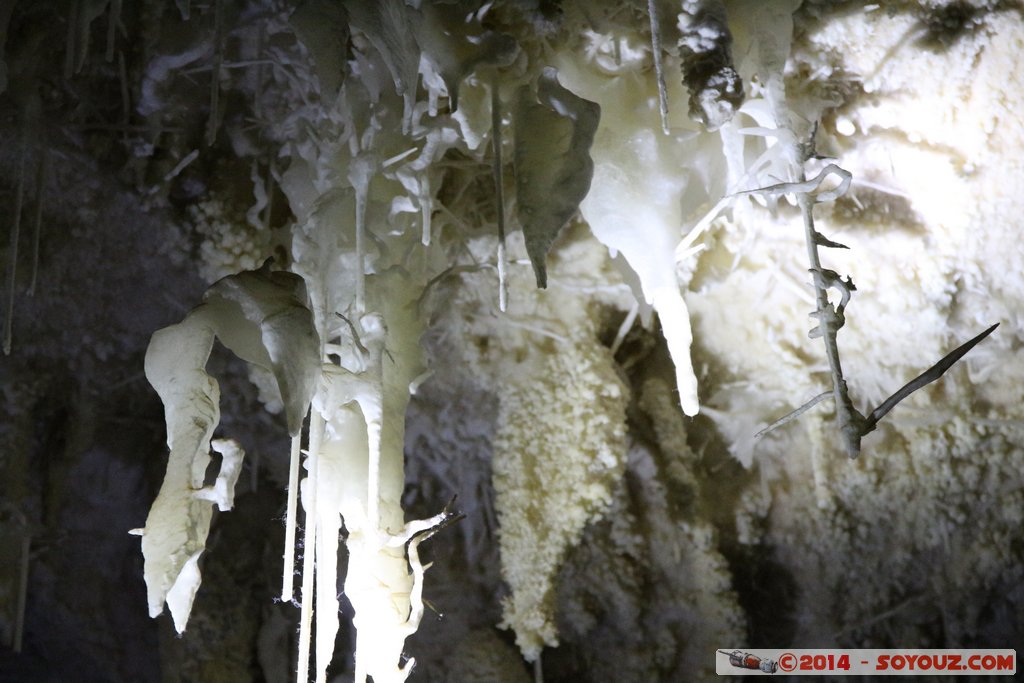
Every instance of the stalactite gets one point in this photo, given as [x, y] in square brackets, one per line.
[126, 100]
[114, 18]
[12, 262]
[360, 173]
[659, 68]
[499, 194]
[37, 223]
[69, 42]
[309, 502]
[288, 570]
[268, 210]
[213, 123]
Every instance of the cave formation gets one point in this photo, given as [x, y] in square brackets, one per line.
[621, 521]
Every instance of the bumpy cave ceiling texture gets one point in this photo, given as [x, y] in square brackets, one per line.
[511, 287]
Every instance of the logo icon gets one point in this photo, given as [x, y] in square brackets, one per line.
[743, 660]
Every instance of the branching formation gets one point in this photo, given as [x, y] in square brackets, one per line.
[853, 425]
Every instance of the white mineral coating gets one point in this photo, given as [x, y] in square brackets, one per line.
[178, 522]
[934, 249]
[636, 203]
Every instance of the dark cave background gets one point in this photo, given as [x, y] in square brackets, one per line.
[82, 441]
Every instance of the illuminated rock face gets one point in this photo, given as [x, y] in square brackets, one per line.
[599, 516]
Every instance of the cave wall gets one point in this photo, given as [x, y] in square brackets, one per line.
[148, 188]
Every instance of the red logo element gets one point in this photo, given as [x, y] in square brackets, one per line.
[744, 660]
[787, 661]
